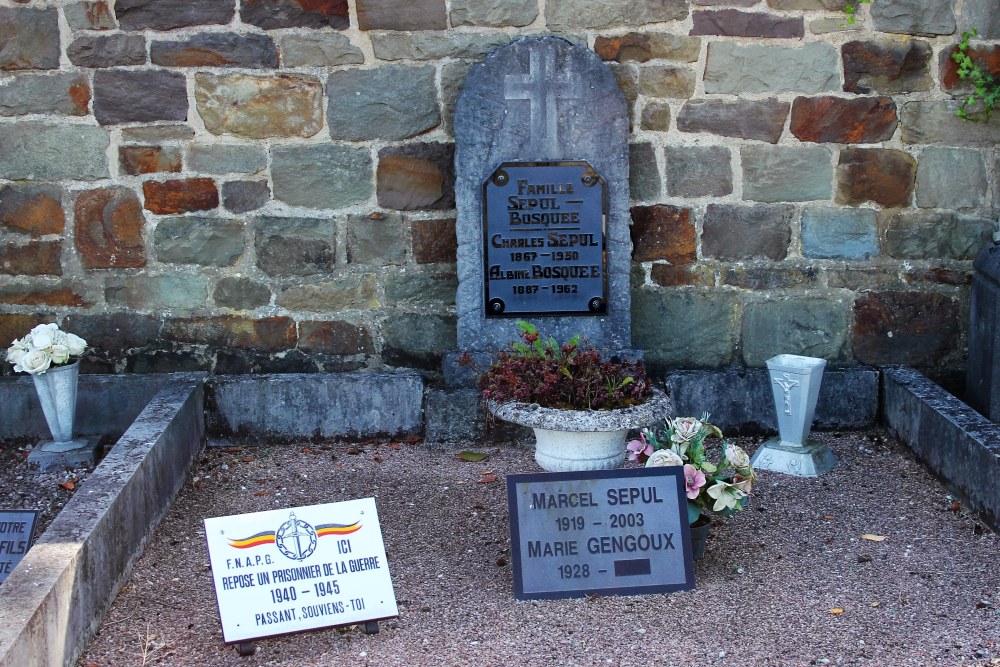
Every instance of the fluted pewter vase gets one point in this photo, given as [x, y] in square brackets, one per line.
[56, 390]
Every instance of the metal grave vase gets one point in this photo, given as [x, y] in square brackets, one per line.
[56, 390]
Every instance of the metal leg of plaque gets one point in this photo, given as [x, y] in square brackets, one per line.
[246, 649]
[795, 382]
[371, 627]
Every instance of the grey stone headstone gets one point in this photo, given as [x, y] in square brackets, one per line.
[540, 99]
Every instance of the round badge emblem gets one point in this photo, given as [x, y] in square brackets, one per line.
[296, 539]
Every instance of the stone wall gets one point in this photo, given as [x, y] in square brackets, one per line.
[268, 185]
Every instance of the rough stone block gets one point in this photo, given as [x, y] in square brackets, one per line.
[37, 151]
[747, 232]
[881, 175]
[655, 116]
[391, 15]
[240, 293]
[245, 196]
[644, 180]
[864, 120]
[259, 107]
[786, 173]
[152, 134]
[741, 401]
[914, 17]
[89, 15]
[114, 331]
[334, 337]
[956, 442]
[34, 258]
[182, 195]
[65, 93]
[416, 176]
[641, 47]
[887, 67]
[669, 275]
[762, 120]
[770, 276]
[321, 176]
[421, 288]
[29, 38]
[353, 292]
[698, 171]
[433, 241]
[273, 334]
[139, 96]
[734, 23]
[569, 15]
[226, 158]
[806, 5]
[987, 57]
[118, 50]
[272, 14]
[152, 293]
[493, 13]
[703, 337]
[735, 68]
[813, 327]
[981, 15]
[216, 49]
[197, 240]
[137, 160]
[663, 232]
[418, 340]
[936, 234]
[454, 416]
[666, 81]
[32, 209]
[934, 122]
[108, 229]
[435, 45]
[916, 328]
[830, 24]
[389, 102]
[838, 233]
[171, 14]
[295, 246]
[318, 50]
[53, 294]
[951, 178]
[376, 239]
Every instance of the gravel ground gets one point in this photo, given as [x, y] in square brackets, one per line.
[790, 581]
[21, 489]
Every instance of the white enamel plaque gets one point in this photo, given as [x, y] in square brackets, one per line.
[300, 568]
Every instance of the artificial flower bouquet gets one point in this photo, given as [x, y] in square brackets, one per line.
[722, 487]
[45, 346]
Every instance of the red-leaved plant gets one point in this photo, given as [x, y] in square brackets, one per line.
[569, 376]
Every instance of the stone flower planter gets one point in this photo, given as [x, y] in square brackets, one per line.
[570, 440]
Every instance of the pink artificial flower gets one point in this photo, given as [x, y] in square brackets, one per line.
[638, 448]
[694, 479]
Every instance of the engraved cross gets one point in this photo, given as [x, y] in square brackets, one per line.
[786, 385]
[543, 86]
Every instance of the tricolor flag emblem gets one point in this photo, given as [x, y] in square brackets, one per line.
[268, 536]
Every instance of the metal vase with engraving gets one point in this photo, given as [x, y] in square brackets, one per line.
[56, 389]
[795, 382]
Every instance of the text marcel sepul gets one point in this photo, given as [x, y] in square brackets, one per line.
[316, 574]
[619, 499]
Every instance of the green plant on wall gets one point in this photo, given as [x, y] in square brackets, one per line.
[851, 10]
[978, 105]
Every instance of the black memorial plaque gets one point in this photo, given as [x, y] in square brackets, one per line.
[602, 531]
[543, 238]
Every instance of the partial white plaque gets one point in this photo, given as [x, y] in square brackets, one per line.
[300, 568]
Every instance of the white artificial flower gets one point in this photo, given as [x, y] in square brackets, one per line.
[737, 457]
[16, 351]
[75, 344]
[727, 496]
[34, 362]
[664, 457]
[43, 335]
[60, 354]
[685, 428]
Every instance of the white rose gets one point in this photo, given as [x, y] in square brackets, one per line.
[737, 457]
[75, 344]
[42, 335]
[664, 457]
[34, 362]
[685, 429]
[16, 351]
[60, 354]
